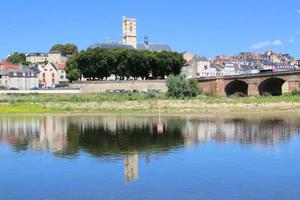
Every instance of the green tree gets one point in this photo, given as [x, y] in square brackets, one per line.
[65, 49]
[72, 70]
[179, 87]
[124, 63]
[17, 58]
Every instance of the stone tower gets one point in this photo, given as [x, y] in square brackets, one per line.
[129, 32]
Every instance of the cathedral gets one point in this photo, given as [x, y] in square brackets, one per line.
[130, 39]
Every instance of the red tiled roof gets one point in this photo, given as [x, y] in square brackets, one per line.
[9, 65]
[61, 66]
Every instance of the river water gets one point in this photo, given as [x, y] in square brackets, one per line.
[127, 157]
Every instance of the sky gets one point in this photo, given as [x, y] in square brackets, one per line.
[203, 27]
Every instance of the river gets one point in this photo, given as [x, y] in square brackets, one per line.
[138, 157]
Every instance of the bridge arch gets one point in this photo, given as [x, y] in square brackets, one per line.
[271, 86]
[236, 87]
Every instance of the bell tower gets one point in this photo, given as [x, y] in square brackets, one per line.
[129, 32]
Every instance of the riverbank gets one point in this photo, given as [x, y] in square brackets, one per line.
[143, 104]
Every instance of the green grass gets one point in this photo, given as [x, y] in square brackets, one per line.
[64, 103]
[26, 108]
[101, 97]
[77, 98]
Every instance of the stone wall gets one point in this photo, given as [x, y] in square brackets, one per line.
[102, 86]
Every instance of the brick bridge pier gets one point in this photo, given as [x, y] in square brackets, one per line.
[273, 83]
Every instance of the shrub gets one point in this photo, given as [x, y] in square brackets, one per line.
[62, 84]
[179, 87]
[2, 87]
[295, 93]
[151, 94]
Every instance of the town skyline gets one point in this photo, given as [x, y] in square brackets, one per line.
[197, 31]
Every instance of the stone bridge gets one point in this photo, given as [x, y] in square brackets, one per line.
[273, 83]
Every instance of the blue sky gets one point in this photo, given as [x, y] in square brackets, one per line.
[205, 27]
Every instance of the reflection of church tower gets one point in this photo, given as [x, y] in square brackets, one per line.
[129, 32]
[131, 171]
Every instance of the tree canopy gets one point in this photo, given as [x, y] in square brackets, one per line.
[65, 49]
[17, 58]
[125, 63]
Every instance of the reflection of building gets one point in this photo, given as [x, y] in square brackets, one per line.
[49, 133]
[131, 167]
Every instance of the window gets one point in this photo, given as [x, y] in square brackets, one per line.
[44, 75]
[53, 75]
[53, 80]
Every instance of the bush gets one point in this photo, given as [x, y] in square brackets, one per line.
[295, 93]
[179, 87]
[2, 87]
[62, 85]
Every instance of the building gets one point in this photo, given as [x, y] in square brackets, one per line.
[36, 58]
[52, 57]
[129, 32]
[198, 66]
[21, 79]
[129, 39]
[56, 57]
[62, 75]
[5, 65]
[48, 76]
[188, 56]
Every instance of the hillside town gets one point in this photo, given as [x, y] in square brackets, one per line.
[243, 63]
[48, 70]
[43, 70]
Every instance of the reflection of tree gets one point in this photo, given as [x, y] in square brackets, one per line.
[100, 141]
[100, 135]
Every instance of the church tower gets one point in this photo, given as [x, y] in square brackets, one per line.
[129, 32]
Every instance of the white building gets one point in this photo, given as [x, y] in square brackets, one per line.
[198, 67]
[22, 79]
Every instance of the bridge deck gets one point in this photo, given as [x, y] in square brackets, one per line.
[268, 74]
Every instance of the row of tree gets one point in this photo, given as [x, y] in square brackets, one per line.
[99, 64]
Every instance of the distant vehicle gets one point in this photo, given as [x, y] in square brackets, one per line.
[34, 88]
[13, 88]
[265, 70]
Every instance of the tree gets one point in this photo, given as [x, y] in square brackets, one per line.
[100, 63]
[17, 58]
[72, 70]
[179, 87]
[65, 49]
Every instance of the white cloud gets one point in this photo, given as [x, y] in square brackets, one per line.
[292, 41]
[298, 11]
[264, 44]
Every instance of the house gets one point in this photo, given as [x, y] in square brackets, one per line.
[51, 75]
[37, 58]
[6, 65]
[53, 57]
[48, 75]
[197, 67]
[62, 76]
[22, 79]
[56, 57]
[230, 69]
[188, 56]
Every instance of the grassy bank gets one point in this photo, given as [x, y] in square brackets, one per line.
[141, 103]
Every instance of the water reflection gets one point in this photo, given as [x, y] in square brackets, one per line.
[131, 137]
